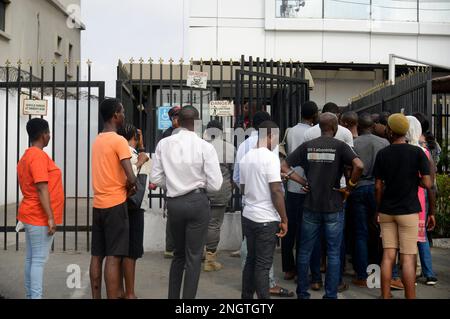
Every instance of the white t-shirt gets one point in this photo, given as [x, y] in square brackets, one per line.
[343, 134]
[257, 169]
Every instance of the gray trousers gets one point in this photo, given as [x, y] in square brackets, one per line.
[188, 220]
[216, 221]
[169, 238]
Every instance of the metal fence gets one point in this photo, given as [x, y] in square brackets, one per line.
[74, 120]
[413, 92]
[73, 114]
[252, 84]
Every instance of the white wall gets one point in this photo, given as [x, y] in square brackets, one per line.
[227, 29]
[57, 137]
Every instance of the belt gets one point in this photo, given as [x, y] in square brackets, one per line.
[195, 191]
[198, 191]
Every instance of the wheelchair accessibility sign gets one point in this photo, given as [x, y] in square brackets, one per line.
[164, 121]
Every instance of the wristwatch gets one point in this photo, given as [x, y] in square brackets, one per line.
[351, 183]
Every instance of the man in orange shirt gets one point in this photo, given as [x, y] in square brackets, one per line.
[112, 179]
[42, 206]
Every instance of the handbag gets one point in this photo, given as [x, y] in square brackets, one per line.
[135, 201]
[282, 146]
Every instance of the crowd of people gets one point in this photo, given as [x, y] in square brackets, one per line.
[347, 185]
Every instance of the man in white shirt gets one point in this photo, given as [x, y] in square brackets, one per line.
[187, 167]
[342, 134]
[243, 149]
[264, 216]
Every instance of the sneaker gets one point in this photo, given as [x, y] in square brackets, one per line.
[168, 254]
[342, 287]
[397, 284]
[431, 281]
[362, 283]
[316, 286]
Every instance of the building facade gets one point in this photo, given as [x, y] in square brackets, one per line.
[345, 44]
[35, 30]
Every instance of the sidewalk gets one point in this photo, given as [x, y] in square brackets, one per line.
[153, 271]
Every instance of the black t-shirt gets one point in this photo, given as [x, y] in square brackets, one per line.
[167, 132]
[400, 167]
[323, 160]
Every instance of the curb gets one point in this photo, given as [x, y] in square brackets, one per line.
[441, 243]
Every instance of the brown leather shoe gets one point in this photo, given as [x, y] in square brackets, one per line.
[289, 275]
[316, 286]
[362, 283]
[397, 284]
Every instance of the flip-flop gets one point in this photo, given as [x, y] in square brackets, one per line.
[283, 293]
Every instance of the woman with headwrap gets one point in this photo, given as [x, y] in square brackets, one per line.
[427, 202]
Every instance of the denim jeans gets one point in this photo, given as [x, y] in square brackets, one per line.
[425, 256]
[363, 208]
[333, 225]
[38, 244]
[261, 241]
[294, 208]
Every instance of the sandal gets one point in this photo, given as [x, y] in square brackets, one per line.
[282, 293]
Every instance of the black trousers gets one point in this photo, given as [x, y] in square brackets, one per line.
[294, 208]
[261, 241]
[188, 218]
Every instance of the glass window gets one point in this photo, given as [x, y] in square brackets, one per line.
[2, 15]
[344, 9]
[394, 10]
[298, 8]
[434, 11]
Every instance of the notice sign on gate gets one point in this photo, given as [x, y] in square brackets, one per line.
[35, 107]
[221, 108]
[197, 79]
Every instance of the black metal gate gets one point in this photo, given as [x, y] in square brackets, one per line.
[275, 86]
[411, 93]
[74, 121]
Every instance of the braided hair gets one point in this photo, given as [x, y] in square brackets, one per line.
[128, 131]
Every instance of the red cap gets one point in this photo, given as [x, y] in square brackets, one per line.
[174, 111]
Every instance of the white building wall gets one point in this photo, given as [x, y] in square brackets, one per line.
[229, 28]
[57, 137]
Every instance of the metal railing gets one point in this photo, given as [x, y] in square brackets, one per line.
[73, 119]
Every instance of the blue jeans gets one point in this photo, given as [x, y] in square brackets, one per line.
[363, 206]
[333, 225]
[294, 210]
[425, 255]
[38, 244]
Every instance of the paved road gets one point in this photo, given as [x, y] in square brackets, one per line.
[152, 277]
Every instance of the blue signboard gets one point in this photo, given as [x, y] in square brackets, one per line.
[164, 121]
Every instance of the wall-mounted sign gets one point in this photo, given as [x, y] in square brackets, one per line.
[221, 108]
[197, 79]
[164, 121]
[35, 107]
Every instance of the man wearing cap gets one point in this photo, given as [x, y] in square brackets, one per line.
[399, 170]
